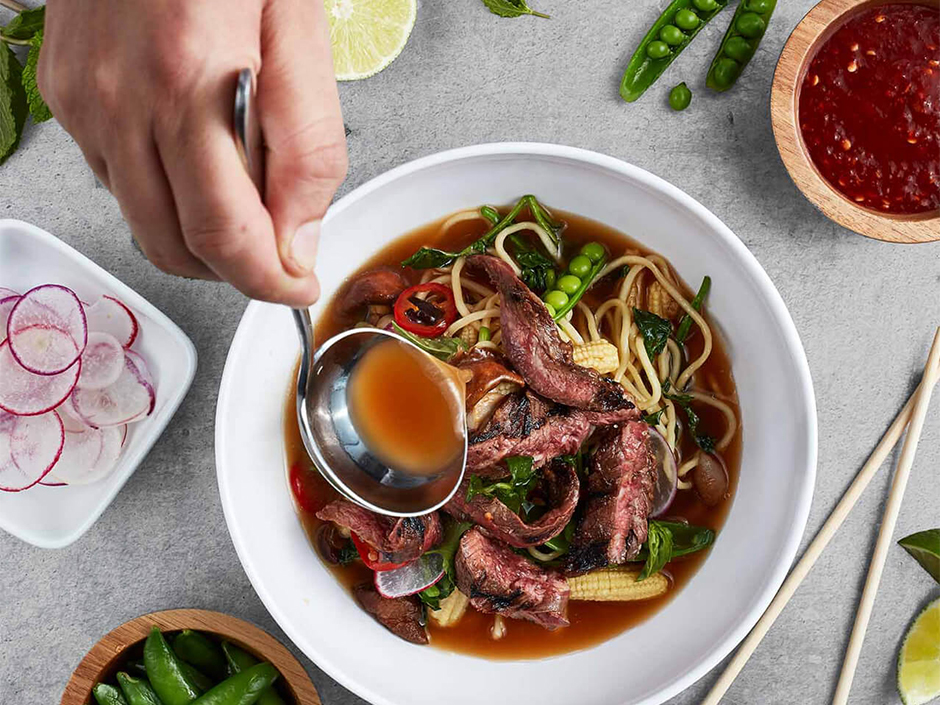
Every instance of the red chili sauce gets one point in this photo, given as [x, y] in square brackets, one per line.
[870, 109]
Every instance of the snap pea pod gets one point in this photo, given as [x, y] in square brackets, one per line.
[198, 650]
[197, 677]
[238, 661]
[108, 695]
[137, 668]
[241, 689]
[668, 36]
[137, 690]
[740, 42]
[166, 673]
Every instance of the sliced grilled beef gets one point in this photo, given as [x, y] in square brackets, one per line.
[525, 424]
[395, 540]
[498, 580]
[401, 616]
[537, 352]
[561, 487]
[380, 286]
[616, 500]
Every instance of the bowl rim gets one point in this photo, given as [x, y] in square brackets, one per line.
[110, 647]
[229, 385]
[799, 50]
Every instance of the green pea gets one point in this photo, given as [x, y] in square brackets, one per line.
[657, 50]
[484, 334]
[686, 19]
[569, 284]
[750, 25]
[672, 35]
[580, 266]
[594, 251]
[680, 97]
[551, 310]
[705, 5]
[549, 279]
[759, 6]
[556, 299]
[726, 71]
[738, 48]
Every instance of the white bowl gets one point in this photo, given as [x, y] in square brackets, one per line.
[54, 517]
[646, 664]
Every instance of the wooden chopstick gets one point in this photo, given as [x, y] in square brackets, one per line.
[814, 550]
[892, 509]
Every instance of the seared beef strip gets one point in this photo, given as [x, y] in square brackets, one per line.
[401, 616]
[616, 500]
[498, 580]
[498, 520]
[395, 540]
[379, 286]
[537, 352]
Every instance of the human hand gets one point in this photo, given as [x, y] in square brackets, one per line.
[146, 88]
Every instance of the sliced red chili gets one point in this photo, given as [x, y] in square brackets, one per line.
[370, 556]
[430, 316]
[303, 484]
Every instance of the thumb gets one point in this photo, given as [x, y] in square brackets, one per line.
[302, 124]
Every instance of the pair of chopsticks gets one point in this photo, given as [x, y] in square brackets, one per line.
[912, 416]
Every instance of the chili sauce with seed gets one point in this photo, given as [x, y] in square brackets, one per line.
[869, 109]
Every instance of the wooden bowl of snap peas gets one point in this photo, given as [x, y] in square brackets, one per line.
[121, 648]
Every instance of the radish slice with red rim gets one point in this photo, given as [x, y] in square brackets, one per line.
[47, 329]
[102, 361]
[26, 394]
[667, 474]
[29, 447]
[51, 484]
[130, 397]
[6, 305]
[109, 315]
[90, 456]
[6, 291]
[71, 421]
[141, 366]
[410, 578]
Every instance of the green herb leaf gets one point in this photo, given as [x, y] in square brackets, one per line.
[535, 269]
[658, 548]
[13, 105]
[544, 219]
[441, 348]
[26, 24]
[924, 546]
[685, 325]
[686, 538]
[511, 8]
[433, 594]
[702, 440]
[653, 419]
[430, 258]
[348, 553]
[511, 492]
[655, 331]
[37, 106]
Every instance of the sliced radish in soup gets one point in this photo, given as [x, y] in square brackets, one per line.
[410, 578]
[6, 306]
[667, 473]
[47, 330]
[29, 447]
[102, 361]
[108, 315]
[128, 398]
[90, 456]
[25, 393]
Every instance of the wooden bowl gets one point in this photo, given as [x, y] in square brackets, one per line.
[104, 658]
[814, 29]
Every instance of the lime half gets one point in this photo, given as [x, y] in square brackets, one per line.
[919, 660]
[925, 547]
[367, 35]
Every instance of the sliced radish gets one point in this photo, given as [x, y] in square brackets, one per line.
[47, 330]
[109, 315]
[410, 578]
[29, 447]
[51, 484]
[6, 305]
[90, 456]
[667, 473]
[130, 397]
[71, 421]
[141, 366]
[6, 292]
[27, 394]
[102, 361]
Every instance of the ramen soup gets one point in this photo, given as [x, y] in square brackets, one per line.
[603, 427]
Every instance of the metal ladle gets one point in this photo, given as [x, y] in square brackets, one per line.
[330, 437]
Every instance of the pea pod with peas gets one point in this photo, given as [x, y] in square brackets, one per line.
[570, 286]
[740, 42]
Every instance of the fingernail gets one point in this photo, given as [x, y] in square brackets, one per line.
[303, 248]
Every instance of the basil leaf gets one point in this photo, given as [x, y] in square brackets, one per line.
[685, 325]
[13, 105]
[348, 553]
[511, 8]
[653, 419]
[686, 538]
[441, 348]
[511, 492]
[655, 331]
[659, 549]
[430, 258]
[702, 440]
[37, 106]
[26, 24]
[535, 269]
[433, 594]
[475, 486]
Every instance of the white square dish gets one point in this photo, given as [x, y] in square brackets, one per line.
[54, 517]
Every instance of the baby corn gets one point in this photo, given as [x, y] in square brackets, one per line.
[660, 302]
[599, 355]
[452, 608]
[616, 584]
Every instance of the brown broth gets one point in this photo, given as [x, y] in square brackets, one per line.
[591, 622]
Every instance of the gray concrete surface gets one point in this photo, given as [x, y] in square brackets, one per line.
[865, 311]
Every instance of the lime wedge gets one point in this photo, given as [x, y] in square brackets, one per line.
[919, 660]
[925, 547]
[367, 35]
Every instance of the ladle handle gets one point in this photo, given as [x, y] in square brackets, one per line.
[305, 330]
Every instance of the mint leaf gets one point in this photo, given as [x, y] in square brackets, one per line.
[25, 24]
[511, 8]
[37, 106]
[13, 106]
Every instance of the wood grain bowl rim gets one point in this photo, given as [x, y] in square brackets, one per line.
[102, 657]
[815, 28]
